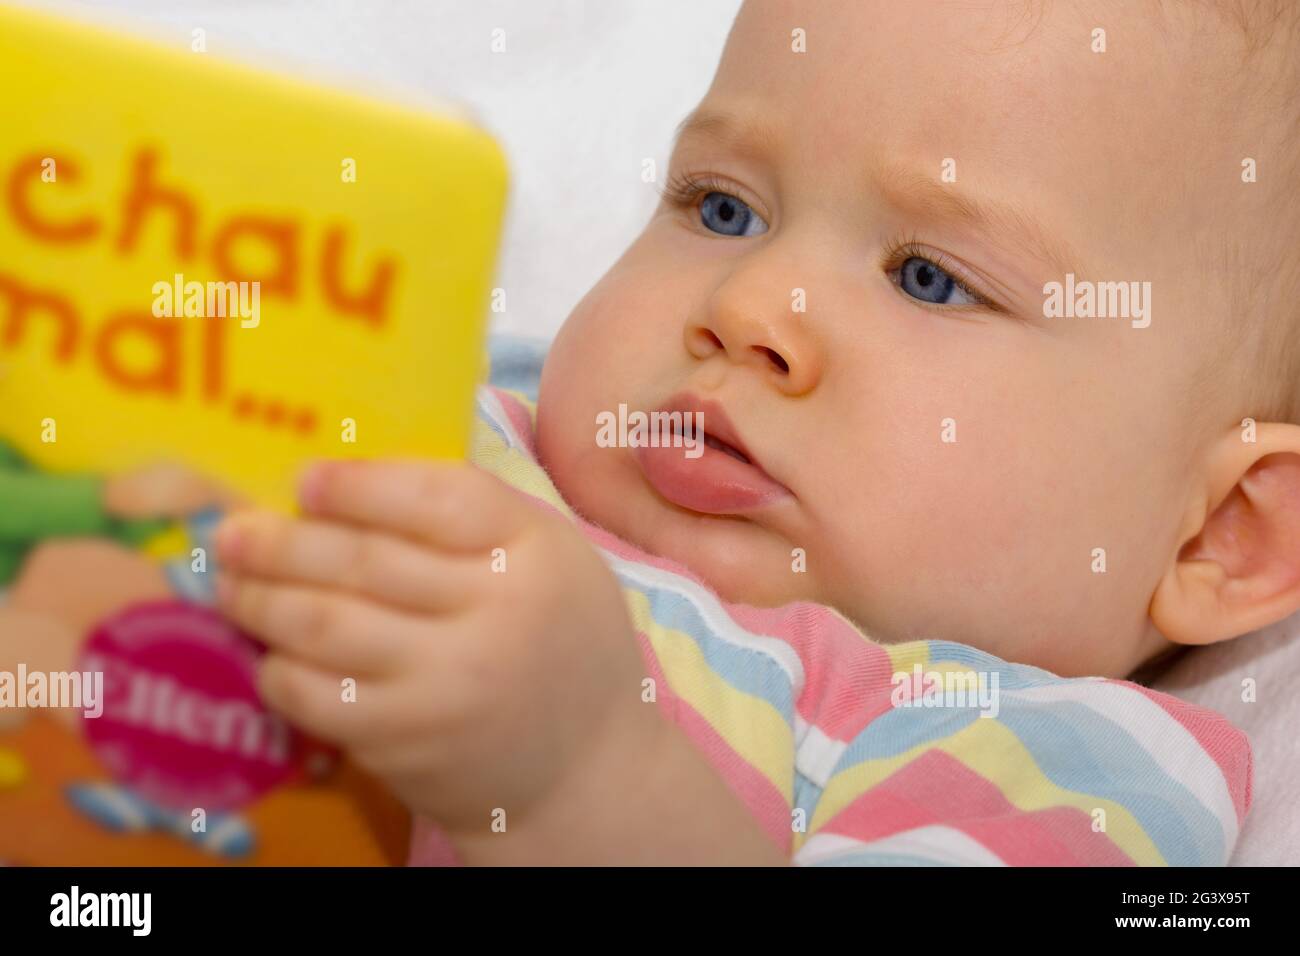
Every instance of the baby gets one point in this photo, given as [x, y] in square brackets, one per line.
[856, 275]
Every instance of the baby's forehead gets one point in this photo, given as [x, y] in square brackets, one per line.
[1112, 90]
[1203, 36]
[846, 78]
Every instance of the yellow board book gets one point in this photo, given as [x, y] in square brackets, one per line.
[210, 275]
[211, 264]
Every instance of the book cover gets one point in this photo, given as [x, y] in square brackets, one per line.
[210, 275]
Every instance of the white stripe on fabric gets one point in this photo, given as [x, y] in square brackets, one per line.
[817, 755]
[935, 843]
[1155, 729]
[714, 616]
[493, 408]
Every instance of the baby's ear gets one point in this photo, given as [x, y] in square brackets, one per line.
[1238, 565]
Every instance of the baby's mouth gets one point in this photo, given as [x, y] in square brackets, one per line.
[710, 470]
[723, 447]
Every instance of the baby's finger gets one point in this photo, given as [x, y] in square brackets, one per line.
[330, 630]
[334, 707]
[452, 506]
[315, 701]
[384, 567]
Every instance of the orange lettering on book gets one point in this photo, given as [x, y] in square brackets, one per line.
[28, 171]
[280, 235]
[372, 305]
[165, 336]
[22, 300]
[214, 358]
[144, 193]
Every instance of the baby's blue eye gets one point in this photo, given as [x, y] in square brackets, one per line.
[922, 279]
[730, 216]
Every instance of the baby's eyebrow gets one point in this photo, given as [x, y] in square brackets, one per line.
[917, 193]
[747, 135]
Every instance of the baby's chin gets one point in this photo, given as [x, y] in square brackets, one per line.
[740, 561]
[733, 577]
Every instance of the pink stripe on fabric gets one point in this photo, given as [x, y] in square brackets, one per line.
[520, 421]
[848, 680]
[936, 788]
[629, 552]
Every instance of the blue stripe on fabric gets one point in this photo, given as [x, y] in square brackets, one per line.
[749, 670]
[515, 363]
[1065, 739]
[1010, 676]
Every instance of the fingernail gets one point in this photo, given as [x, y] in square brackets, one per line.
[230, 540]
[311, 486]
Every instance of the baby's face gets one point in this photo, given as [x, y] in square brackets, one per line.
[870, 319]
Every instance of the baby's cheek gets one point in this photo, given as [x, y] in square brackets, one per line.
[944, 533]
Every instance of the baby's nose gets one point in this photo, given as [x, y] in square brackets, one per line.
[780, 350]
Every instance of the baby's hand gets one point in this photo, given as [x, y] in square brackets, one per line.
[495, 664]
[163, 490]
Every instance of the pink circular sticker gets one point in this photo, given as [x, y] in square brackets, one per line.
[182, 723]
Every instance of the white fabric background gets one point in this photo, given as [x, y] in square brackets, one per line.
[585, 91]
[1213, 677]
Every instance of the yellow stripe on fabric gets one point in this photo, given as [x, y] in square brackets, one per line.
[749, 725]
[903, 657]
[490, 452]
[990, 749]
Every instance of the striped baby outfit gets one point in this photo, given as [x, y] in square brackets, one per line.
[838, 746]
